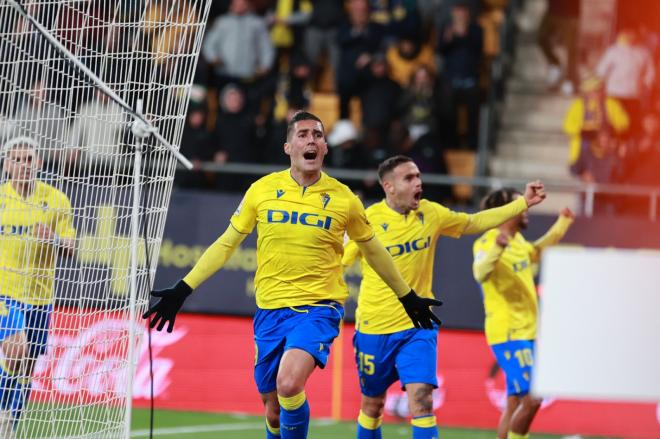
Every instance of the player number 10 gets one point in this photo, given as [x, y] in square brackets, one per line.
[524, 357]
[366, 363]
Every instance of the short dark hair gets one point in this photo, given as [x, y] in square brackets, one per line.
[499, 197]
[389, 164]
[299, 116]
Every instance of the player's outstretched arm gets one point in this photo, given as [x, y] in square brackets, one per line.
[171, 299]
[486, 257]
[490, 218]
[418, 308]
[554, 233]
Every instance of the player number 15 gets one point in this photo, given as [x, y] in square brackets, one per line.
[366, 363]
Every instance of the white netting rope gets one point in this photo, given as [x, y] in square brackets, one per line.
[141, 50]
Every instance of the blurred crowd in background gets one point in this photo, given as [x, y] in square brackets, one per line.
[386, 77]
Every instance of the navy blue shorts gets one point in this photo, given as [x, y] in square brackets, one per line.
[311, 328]
[516, 358]
[409, 356]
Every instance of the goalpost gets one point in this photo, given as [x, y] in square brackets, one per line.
[75, 76]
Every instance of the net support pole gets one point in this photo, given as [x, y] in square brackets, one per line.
[132, 302]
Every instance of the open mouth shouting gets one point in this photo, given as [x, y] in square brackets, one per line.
[310, 155]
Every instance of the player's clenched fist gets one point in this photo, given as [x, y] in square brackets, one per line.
[534, 193]
[171, 300]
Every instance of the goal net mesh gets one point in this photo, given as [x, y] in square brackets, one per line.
[66, 197]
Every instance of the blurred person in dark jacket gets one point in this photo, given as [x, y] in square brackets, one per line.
[196, 145]
[460, 44]
[234, 129]
[379, 98]
[358, 40]
[321, 33]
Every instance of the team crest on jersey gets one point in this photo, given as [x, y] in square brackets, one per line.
[325, 199]
[384, 226]
[420, 217]
[279, 193]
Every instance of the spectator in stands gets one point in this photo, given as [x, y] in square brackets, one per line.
[379, 98]
[641, 164]
[591, 113]
[288, 22]
[321, 33]
[560, 25]
[600, 162]
[628, 72]
[98, 130]
[234, 128]
[418, 104]
[239, 49]
[358, 40]
[38, 116]
[406, 56]
[196, 145]
[460, 44]
[345, 150]
[399, 18]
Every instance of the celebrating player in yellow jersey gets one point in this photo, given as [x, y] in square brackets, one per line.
[387, 346]
[504, 266]
[35, 224]
[301, 216]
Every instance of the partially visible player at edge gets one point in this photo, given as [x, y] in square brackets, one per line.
[301, 215]
[387, 346]
[504, 265]
[35, 225]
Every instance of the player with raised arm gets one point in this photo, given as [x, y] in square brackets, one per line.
[387, 346]
[504, 264]
[301, 215]
[35, 225]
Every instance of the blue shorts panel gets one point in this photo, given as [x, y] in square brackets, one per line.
[311, 328]
[516, 358]
[409, 356]
[12, 319]
[37, 322]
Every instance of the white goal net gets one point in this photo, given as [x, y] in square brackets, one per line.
[69, 338]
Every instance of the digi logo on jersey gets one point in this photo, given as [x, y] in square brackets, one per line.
[408, 247]
[13, 230]
[303, 218]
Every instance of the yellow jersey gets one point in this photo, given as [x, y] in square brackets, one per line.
[300, 237]
[411, 241]
[27, 266]
[509, 292]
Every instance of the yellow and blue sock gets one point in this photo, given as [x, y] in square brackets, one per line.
[513, 435]
[294, 416]
[424, 427]
[272, 432]
[368, 427]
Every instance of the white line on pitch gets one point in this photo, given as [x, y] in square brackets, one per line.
[214, 427]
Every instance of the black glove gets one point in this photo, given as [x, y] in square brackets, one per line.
[166, 308]
[418, 309]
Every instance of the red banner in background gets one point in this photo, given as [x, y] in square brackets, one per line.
[206, 365]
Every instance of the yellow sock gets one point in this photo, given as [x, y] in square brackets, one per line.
[273, 430]
[424, 421]
[292, 402]
[513, 435]
[368, 422]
